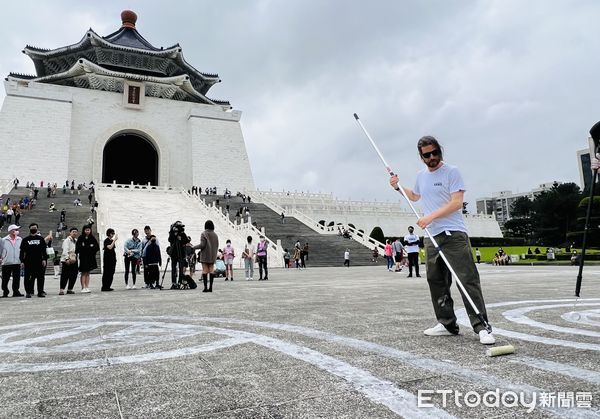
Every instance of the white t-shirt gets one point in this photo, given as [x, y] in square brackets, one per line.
[346, 255]
[435, 189]
[411, 248]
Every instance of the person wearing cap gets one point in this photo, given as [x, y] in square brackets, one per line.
[11, 264]
[34, 256]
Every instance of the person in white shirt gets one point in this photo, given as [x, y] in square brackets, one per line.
[440, 189]
[347, 258]
[68, 261]
[412, 248]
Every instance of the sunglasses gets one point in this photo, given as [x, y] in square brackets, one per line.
[431, 153]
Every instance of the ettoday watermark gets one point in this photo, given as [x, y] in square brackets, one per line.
[510, 399]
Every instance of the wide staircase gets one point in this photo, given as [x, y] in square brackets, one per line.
[324, 249]
[76, 216]
[123, 208]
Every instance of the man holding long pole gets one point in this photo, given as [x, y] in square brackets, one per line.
[440, 189]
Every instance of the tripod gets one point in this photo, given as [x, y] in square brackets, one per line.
[164, 272]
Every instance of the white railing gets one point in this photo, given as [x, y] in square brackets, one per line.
[6, 186]
[303, 218]
[235, 231]
[361, 237]
[131, 185]
[315, 225]
[309, 202]
[275, 253]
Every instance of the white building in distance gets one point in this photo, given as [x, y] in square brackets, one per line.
[500, 203]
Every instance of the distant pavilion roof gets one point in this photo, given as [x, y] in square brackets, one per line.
[124, 54]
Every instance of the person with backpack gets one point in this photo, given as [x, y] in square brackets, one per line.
[228, 256]
[145, 241]
[248, 256]
[152, 262]
[261, 255]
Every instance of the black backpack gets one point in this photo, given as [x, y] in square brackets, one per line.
[190, 282]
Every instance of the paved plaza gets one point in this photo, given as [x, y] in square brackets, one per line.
[322, 342]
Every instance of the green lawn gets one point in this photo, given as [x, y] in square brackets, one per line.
[487, 253]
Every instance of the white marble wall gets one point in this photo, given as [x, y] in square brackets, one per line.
[64, 130]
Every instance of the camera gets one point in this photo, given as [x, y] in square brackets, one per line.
[177, 239]
[177, 227]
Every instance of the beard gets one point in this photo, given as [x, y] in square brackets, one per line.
[433, 162]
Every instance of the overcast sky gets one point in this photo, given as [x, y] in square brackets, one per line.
[510, 88]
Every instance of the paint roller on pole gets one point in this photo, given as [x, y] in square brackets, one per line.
[433, 241]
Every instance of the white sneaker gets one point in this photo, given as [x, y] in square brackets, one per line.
[251, 279]
[128, 287]
[85, 291]
[247, 279]
[486, 337]
[437, 330]
[133, 287]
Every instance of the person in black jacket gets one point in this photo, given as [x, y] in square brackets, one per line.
[86, 247]
[109, 260]
[177, 240]
[152, 260]
[34, 257]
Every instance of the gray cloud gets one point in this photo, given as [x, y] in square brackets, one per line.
[508, 87]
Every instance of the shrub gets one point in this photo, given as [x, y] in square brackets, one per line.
[377, 234]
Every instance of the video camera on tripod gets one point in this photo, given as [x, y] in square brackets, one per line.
[178, 240]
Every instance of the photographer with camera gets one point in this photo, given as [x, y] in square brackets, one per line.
[178, 241]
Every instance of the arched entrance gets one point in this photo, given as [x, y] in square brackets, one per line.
[129, 158]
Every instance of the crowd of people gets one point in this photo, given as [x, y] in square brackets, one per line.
[299, 256]
[29, 256]
[401, 253]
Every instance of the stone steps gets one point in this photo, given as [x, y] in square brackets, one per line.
[75, 216]
[325, 250]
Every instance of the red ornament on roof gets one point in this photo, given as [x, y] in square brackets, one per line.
[128, 18]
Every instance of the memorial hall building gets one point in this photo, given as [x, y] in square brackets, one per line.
[116, 108]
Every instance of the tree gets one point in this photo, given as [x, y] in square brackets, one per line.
[518, 227]
[521, 207]
[520, 224]
[554, 213]
[377, 234]
[593, 237]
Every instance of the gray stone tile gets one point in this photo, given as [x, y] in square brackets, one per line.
[249, 380]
